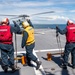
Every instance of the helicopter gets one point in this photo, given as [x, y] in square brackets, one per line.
[24, 15]
[20, 18]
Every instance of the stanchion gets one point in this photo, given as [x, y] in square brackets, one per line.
[49, 56]
[23, 59]
[16, 52]
[59, 43]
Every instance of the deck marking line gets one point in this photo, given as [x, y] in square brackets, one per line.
[38, 72]
[44, 50]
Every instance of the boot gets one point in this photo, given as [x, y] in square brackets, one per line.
[38, 64]
[13, 68]
[29, 64]
[28, 61]
[73, 66]
[63, 66]
[5, 68]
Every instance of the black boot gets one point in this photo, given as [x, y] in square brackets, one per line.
[5, 68]
[63, 66]
[29, 61]
[29, 64]
[73, 66]
[38, 64]
[13, 68]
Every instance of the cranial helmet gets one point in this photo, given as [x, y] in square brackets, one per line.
[25, 24]
[69, 22]
[5, 21]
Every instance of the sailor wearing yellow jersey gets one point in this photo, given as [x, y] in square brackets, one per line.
[28, 41]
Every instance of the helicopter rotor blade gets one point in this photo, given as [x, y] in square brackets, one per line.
[18, 16]
[15, 15]
[27, 15]
[14, 18]
[43, 13]
[7, 15]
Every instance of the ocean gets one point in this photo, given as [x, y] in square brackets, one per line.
[45, 26]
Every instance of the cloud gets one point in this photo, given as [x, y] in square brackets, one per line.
[55, 17]
[63, 8]
[68, 2]
[25, 3]
[72, 11]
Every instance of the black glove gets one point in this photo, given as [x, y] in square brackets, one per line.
[22, 46]
[57, 28]
[14, 23]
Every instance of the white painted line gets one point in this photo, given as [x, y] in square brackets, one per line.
[40, 71]
[46, 50]
[20, 52]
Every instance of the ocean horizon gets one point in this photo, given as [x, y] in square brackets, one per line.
[47, 26]
[52, 26]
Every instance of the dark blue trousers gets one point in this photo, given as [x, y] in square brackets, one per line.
[69, 48]
[7, 50]
[29, 52]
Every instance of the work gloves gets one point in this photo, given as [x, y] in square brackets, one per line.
[14, 23]
[57, 27]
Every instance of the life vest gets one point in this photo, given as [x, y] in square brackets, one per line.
[30, 32]
[5, 34]
[70, 35]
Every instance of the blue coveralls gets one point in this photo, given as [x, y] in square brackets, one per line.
[7, 50]
[29, 48]
[69, 48]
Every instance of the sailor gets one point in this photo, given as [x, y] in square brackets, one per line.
[6, 44]
[69, 31]
[28, 41]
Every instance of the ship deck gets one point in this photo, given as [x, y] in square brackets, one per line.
[45, 42]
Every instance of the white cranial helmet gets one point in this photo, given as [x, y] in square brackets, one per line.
[25, 24]
[5, 20]
[69, 21]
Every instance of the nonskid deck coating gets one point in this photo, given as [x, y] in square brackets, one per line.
[44, 43]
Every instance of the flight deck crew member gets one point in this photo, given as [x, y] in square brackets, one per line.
[69, 31]
[6, 44]
[28, 41]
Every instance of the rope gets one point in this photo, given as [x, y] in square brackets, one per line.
[59, 43]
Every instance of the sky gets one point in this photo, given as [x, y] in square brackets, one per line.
[63, 10]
